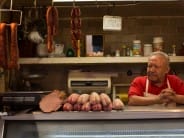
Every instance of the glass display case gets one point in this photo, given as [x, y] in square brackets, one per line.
[93, 129]
[122, 124]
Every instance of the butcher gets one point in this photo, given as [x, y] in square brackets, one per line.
[158, 86]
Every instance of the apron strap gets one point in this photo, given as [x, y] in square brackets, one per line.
[146, 90]
[168, 84]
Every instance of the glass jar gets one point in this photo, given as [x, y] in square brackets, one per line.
[123, 50]
[158, 44]
[137, 48]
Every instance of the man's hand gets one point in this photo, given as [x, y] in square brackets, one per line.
[157, 98]
[168, 96]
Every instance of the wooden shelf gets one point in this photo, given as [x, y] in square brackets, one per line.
[93, 60]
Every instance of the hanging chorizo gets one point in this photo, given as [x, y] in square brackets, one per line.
[52, 26]
[3, 55]
[14, 53]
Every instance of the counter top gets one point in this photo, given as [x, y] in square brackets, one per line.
[130, 112]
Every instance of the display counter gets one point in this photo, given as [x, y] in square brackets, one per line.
[132, 122]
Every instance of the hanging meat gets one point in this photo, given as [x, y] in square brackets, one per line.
[9, 53]
[76, 29]
[52, 26]
[14, 52]
[52, 102]
[3, 55]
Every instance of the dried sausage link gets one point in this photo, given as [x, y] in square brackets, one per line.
[52, 26]
[3, 53]
[14, 53]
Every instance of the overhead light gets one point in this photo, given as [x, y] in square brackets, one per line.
[79, 0]
[106, 0]
[69, 0]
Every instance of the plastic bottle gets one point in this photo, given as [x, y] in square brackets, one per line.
[123, 50]
[148, 49]
[128, 51]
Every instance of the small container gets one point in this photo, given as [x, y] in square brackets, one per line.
[148, 49]
[174, 50]
[59, 50]
[42, 50]
[137, 49]
[128, 51]
[70, 52]
[117, 54]
[123, 50]
[158, 44]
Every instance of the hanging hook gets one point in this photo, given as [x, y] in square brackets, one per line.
[35, 3]
[52, 3]
[97, 5]
[35, 9]
[73, 3]
[11, 4]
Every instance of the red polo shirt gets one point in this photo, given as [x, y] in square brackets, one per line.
[138, 86]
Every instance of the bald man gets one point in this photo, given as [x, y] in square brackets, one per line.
[158, 87]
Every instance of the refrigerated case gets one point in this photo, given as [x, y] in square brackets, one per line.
[132, 122]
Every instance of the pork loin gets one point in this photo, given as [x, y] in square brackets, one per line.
[52, 102]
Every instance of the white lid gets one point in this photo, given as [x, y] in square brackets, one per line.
[157, 39]
[148, 45]
[136, 41]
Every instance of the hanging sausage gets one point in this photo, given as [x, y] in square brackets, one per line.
[3, 54]
[52, 26]
[76, 29]
[14, 53]
[9, 53]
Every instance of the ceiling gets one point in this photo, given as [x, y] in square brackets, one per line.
[38, 3]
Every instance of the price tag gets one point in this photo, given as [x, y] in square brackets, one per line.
[112, 23]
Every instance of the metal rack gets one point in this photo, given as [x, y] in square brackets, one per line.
[12, 10]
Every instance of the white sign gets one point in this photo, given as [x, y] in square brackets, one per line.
[112, 23]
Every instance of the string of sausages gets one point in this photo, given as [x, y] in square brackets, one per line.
[52, 26]
[3, 56]
[76, 28]
[9, 53]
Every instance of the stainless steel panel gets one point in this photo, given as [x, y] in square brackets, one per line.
[96, 129]
[1, 128]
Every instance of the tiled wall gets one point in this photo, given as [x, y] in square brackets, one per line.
[142, 23]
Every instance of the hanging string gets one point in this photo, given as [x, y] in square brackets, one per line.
[73, 3]
[12, 10]
[11, 4]
[52, 3]
[35, 3]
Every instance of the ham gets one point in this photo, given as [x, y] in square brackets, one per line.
[108, 107]
[86, 107]
[52, 102]
[83, 98]
[105, 99]
[73, 98]
[94, 98]
[67, 107]
[118, 104]
[96, 107]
